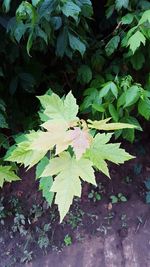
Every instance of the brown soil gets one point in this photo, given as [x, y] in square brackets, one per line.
[87, 222]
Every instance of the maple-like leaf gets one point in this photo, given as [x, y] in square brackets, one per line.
[67, 183]
[136, 40]
[57, 108]
[7, 175]
[22, 153]
[101, 151]
[81, 140]
[104, 125]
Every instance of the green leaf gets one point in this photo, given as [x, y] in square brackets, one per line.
[113, 112]
[98, 107]
[7, 175]
[45, 185]
[100, 151]
[136, 40]
[104, 125]
[129, 134]
[62, 42]
[121, 4]
[127, 19]
[76, 44]
[123, 199]
[70, 9]
[144, 108]
[56, 108]
[137, 60]
[107, 87]
[6, 5]
[24, 155]
[133, 121]
[41, 166]
[84, 75]
[145, 17]
[114, 199]
[67, 183]
[132, 95]
[112, 45]
[35, 2]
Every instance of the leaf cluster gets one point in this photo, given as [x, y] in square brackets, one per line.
[74, 152]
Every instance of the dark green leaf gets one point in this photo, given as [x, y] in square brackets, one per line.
[113, 112]
[144, 108]
[121, 4]
[70, 9]
[76, 44]
[112, 45]
[127, 19]
[84, 75]
[132, 95]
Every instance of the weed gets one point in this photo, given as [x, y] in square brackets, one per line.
[67, 240]
[27, 256]
[94, 196]
[15, 204]
[124, 220]
[43, 239]
[118, 198]
[35, 212]
[74, 219]
[109, 217]
[19, 224]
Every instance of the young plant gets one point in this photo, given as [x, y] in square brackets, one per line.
[94, 196]
[67, 149]
[118, 198]
[68, 240]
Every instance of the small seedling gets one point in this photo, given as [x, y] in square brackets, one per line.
[43, 239]
[128, 180]
[124, 221]
[15, 204]
[94, 196]
[19, 224]
[118, 198]
[68, 240]
[75, 218]
[27, 257]
[36, 212]
[109, 217]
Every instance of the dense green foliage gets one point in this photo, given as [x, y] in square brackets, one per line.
[99, 50]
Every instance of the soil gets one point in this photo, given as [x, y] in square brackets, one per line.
[89, 225]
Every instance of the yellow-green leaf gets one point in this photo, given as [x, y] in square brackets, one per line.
[101, 151]
[7, 175]
[104, 125]
[67, 183]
